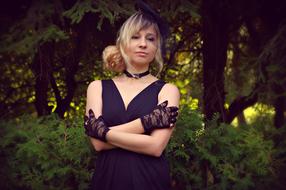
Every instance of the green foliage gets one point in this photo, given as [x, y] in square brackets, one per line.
[182, 6]
[34, 29]
[237, 158]
[277, 180]
[44, 153]
[17, 88]
[271, 63]
[79, 9]
[49, 153]
[31, 40]
[107, 9]
[52, 33]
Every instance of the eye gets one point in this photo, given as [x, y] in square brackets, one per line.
[135, 37]
[151, 39]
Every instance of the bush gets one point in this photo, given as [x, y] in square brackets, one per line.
[277, 178]
[236, 157]
[49, 153]
[44, 153]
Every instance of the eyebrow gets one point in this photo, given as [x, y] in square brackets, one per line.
[153, 34]
[148, 34]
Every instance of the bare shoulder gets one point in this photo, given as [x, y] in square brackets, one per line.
[170, 88]
[171, 93]
[93, 100]
[94, 85]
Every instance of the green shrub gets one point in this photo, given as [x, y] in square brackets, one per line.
[44, 153]
[237, 157]
[49, 153]
[277, 177]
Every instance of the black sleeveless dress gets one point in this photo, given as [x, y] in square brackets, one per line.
[119, 169]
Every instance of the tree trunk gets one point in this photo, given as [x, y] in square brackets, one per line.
[42, 68]
[237, 79]
[215, 41]
[279, 106]
[71, 63]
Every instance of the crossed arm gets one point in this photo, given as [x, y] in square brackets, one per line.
[129, 135]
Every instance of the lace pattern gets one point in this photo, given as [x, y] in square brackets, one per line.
[95, 127]
[161, 117]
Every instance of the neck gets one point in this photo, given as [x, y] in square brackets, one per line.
[136, 75]
[137, 69]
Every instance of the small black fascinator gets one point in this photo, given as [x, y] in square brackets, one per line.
[153, 16]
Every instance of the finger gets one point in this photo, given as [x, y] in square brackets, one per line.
[173, 108]
[164, 104]
[86, 128]
[100, 118]
[85, 118]
[174, 114]
[85, 121]
[173, 120]
[91, 113]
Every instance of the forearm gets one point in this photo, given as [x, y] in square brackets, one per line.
[140, 143]
[100, 145]
[133, 142]
[134, 127]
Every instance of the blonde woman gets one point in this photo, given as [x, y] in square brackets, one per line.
[130, 118]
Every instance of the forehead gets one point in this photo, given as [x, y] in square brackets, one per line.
[147, 30]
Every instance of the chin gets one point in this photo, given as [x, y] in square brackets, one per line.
[141, 61]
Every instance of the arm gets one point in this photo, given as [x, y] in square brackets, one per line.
[157, 141]
[134, 126]
[94, 102]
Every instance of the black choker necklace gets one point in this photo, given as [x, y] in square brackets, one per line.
[136, 76]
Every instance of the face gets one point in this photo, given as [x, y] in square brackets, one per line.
[142, 46]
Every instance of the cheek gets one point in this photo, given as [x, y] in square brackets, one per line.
[131, 44]
[154, 49]
[127, 49]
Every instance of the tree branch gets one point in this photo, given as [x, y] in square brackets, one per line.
[241, 103]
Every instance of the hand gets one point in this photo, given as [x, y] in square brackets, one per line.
[161, 117]
[95, 128]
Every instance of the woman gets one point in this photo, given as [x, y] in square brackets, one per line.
[130, 118]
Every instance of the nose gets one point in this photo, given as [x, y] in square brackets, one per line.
[143, 43]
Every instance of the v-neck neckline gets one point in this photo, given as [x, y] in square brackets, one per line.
[125, 107]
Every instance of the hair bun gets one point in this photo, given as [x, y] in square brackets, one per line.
[113, 59]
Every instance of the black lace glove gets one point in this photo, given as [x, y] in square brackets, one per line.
[95, 128]
[161, 117]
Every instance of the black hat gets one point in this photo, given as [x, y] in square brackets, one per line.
[155, 17]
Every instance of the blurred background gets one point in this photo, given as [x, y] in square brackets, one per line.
[228, 58]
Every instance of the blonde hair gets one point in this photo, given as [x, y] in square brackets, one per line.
[116, 56]
[113, 59]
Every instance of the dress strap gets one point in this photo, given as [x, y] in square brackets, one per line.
[159, 85]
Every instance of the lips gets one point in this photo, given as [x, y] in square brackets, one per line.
[141, 53]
